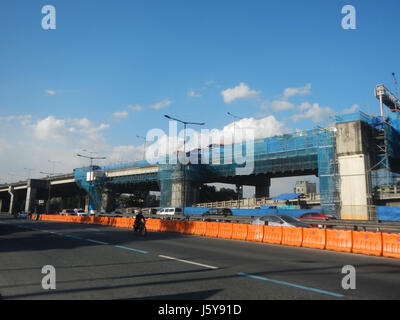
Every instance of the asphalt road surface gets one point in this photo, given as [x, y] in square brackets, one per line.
[98, 262]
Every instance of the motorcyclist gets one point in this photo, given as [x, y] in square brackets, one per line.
[139, 219]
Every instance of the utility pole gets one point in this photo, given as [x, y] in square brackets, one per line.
[184, 152]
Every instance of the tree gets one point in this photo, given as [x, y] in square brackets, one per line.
[210, 194]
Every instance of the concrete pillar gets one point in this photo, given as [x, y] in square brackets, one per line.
[353, 141]
[262, 188]
[13, 199]
[64, 203]
[107, 201]
[30, 199]
[87, 200]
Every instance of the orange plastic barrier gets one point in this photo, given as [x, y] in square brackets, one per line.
[97, 220]
[239, 231]
[339, 240]
[272, 234]
[391, 245]
[255, 233]
[367, 243]
[188, 227]
[122, 222]
[180, 226]
[151, 224]
[212, 229]
[292, 236]
[314, 238]
[225, 230]
[168, 226]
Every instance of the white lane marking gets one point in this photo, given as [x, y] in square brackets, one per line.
[96, 241]
[291, 285]
[190, 262]
[132, 249]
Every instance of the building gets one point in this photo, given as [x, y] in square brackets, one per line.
[305, 187]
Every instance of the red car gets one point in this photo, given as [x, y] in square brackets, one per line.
[317, 216]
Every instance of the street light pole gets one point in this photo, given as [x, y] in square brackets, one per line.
[235, 117]
[144, 148]
[49, 176]
[29, 172]
[91, 183]
[185, 123]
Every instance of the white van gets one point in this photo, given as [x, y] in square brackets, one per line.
[169, 211]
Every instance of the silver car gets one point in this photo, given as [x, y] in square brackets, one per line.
[279, 220]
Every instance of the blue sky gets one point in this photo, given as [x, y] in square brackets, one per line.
[112, 69]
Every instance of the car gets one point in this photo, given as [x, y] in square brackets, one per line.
[319, 216]
[218, 212]
[81, 213]
[68, 212]
[116, 213]
[279, 220]
[169, 211]
[22, 215]
[152, 211]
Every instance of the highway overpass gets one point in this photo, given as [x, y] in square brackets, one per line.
[346, 158]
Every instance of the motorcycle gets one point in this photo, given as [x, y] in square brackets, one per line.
[140, 228]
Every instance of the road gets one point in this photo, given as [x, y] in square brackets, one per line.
[98, 262]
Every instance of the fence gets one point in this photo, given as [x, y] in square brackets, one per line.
[369, 243]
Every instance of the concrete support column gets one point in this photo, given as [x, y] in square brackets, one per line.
[353, 142]
[87, 201]
[30, 199]
[64, 203]
[107, 201]
[13, 199]
[146, 199]
[262, 188]
[1, 205]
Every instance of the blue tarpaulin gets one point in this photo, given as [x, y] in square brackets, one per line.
[388, 213]
[287, 196]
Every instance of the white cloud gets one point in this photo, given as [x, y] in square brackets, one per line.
[50, 92]
[162, 104]
[32, 142]
[314, 112]
[242, 91]
[278, 105]
[193, 93]
[121, 114]
[301, 91]
[50, 129]
[156, 106]
[127, 153]
[137, 107]
[352, 109]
